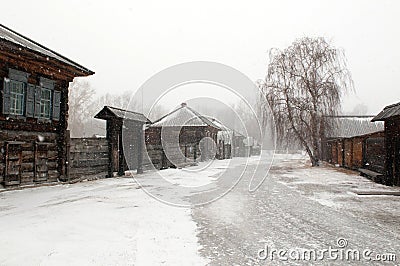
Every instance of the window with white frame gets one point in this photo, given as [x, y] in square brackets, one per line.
[17, 97]
[45, 103]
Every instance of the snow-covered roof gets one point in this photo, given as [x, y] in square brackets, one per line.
[388, 112]
[352, 126]
[221, 126]
[20, 40]
[183, 116]
[112, 112]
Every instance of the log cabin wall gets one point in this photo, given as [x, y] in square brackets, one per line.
[340, 152]
[37, 133]
[392, 164]
[357, 157]
[367, 151]
[348, 153]
[190, 145]
[374, 153]
[334, 153]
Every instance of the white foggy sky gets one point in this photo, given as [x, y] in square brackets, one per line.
[126, 42]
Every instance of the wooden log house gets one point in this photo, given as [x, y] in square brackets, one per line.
[390, 115]
[191, 127]
[34, 110]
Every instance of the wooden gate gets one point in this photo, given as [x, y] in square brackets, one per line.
[13, 163]
[41, 168]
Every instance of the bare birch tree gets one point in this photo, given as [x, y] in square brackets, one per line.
[80, 96]
[305, 82]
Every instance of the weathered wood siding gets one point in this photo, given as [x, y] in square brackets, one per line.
[190, 145]
[348, 153]
[340, 151]
[88, 156]
[357, 153]
[28, 157]
[34, 143]
[334, 153]
[155, 155]
[375, 154]
[367, 151]
[392, 164]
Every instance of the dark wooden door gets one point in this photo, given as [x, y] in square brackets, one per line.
[13, 163]
[41, 168]
[396, 162]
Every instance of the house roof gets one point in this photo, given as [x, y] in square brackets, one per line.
[183, 116]
[223, 127]
[20, 40]
[388, 112]
[352, 126]
[109, 112]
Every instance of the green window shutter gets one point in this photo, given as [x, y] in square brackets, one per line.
[38, 93]
[6, 96]
[18, 75]
[56, 105]
[30, 101]
[47, 83]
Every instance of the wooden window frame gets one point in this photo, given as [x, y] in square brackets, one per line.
[44, 102]
[17, 96]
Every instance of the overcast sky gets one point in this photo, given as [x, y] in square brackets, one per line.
[126, 42]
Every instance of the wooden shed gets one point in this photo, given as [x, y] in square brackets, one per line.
[125, 138]
[390, 115]
[34, 110]
[191, 127]
[349, 140]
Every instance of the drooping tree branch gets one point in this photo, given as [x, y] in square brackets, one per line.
[304, 83]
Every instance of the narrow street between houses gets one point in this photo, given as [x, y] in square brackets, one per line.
[114, 222]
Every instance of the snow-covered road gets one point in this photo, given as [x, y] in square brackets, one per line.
[299, 208]
[116, 222]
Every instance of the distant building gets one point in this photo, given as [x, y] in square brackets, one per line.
[34, 110]
[182, 130]
[354, 142]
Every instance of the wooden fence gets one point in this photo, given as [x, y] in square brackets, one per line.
[87, 156]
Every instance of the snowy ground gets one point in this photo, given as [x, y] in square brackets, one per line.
[116, 222]
[104, 222]
[299, 208]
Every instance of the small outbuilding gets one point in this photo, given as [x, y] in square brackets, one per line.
[390, 115]
[125, 138]
[355, 143]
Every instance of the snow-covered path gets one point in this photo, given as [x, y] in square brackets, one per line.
[104, 222]
[299, 208]
[115, 222]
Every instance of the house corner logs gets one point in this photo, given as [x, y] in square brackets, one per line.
[63, 138]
